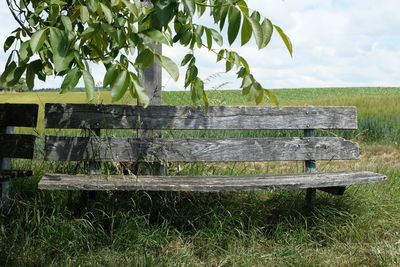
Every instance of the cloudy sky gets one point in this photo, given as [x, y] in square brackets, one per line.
[337, 43]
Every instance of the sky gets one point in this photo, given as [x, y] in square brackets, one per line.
[337, 43]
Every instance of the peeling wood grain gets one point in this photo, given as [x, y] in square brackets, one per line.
[60, 148]
[75, 116]
[205, 184]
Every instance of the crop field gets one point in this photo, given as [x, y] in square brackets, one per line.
[264, 228]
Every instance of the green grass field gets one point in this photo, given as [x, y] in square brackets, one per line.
[269, 228]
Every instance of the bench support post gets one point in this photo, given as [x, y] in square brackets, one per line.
[5, 164]
[311, 167]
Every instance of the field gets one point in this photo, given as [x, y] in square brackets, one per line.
[270, 228]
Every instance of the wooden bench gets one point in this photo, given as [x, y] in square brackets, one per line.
[15, 145]
[98, 118]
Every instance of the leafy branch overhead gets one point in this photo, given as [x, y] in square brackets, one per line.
[60, 37]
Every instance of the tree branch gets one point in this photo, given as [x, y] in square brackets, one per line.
[10, 7]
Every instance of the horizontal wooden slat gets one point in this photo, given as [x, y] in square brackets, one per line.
[6, 175]
[198, 150]
[188, 117]
[17, 146]
[205, 184]
[19, 115]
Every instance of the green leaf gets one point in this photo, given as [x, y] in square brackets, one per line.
[243, 7]
[145, 58]
[257, 32]
[8, 43]
[115, 2]
[157, 36]
[30, 76]
[110, 76]
[197, 90]
[170, 66]
[245, 64]
[221, 55]
[140, 91]
[209, 38]
[267, 29]
[62, 55]
[190, 6]
[224, 14]
[235, 18]
[107, 13]
[120, 85]
[247, 30]
[25, 51]
[186, 59]
[271, 96]
[89, 85]
[84, 12]
[14, 77]
[217, 37]
[37, 40]
[7, 71]
[285, 39]
[92, 5]
[66, 21]
[71, 80]
[132, 8]
[191, 75]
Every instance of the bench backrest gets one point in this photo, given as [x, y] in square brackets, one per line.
[17, 115]
[96, 117]
[16, 145]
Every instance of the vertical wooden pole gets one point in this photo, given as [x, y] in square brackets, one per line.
[151, 79]
[5, 164]
[311, 167]
[94, 169]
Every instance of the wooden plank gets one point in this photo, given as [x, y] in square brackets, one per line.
[75, 116]
[6, 175]
[17, 146]
[21, 115]
[205, 184]
[61, 148]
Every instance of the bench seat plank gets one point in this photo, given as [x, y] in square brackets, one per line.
[205, 183]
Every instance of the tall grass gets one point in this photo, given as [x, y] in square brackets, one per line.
[265, 228]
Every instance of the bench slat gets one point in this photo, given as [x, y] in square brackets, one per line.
[61, 148]
[205, 184]
[18, 115]
[17, 146]
[75, 116]
[6, 175]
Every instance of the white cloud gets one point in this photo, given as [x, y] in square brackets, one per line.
[336, 43]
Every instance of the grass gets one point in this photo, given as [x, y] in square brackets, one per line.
[268, 228]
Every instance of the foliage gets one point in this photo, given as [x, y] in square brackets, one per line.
[20, 86]
[60, 37]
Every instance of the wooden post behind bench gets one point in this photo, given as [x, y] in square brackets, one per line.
[5, 165]
[311, 167]
[152, 82]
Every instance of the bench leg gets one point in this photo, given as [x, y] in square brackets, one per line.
[5, 197]
[310, 198]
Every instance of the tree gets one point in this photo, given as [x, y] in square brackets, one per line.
[61, 37]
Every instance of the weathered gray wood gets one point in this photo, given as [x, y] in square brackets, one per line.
[6, 175]
[151, 77]
[16, 146]
[60, 148]
[205, 184]
[22, 115]
[311, 167]
[5, 164]
[186, 117]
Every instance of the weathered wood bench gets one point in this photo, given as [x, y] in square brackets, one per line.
[15, 145]
[94, 148]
